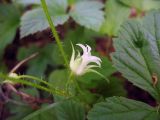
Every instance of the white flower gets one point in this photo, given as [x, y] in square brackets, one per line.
[81, 64]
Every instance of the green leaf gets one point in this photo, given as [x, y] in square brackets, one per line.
[151, 4]
[58, 78]
[138, 4]
[106, 69]
[88, 14]
[114, 88]
[70, 110]
[19, 111]
[65, 110]
[45, 113]
[137, 54]
[9, 22]
[122, 108]
[38, 65]
[142, 5]
[35, 20]
[116, 13]
[27, 2]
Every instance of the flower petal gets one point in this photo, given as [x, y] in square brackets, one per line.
[83, 47]
[95, 59]
[88, 48]
[72, 57]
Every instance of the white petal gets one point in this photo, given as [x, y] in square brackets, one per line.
[83, 47]
[72, 57]
[92, 66]
[88, 48]
[95, 59]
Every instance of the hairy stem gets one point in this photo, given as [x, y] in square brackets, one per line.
[53, 29]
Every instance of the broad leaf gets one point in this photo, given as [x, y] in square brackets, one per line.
[115, 14]
[9, 22]
[119, 108]
[35, 20]
[137, 54]
[65, 110]
[88, 14]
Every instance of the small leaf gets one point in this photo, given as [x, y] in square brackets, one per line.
[122, 108]
[116, 13]
[88, 14]
[35, 20]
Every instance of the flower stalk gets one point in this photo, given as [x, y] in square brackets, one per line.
[55, 34]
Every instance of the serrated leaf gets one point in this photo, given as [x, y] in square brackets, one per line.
[115, 14]
[137, 54]
[70, 110]
[65, 110]
[9, 22]
[35, 20]
[122, 108]
[88, 14]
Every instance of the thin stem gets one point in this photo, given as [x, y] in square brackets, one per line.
[71, 1]
[53, 29]
[69, 81]
[37, 79]
[58, 92]
[23, 61]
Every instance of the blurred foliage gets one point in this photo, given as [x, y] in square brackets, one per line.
[132, 25]
[9, 22]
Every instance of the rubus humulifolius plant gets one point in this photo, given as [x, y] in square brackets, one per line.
[83, 85]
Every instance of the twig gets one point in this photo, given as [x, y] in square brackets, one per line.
[23, 61]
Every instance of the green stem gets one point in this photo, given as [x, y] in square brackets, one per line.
[58, 92]
[71, 2]
[53, 29]
[69, 81]
[37, 79]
